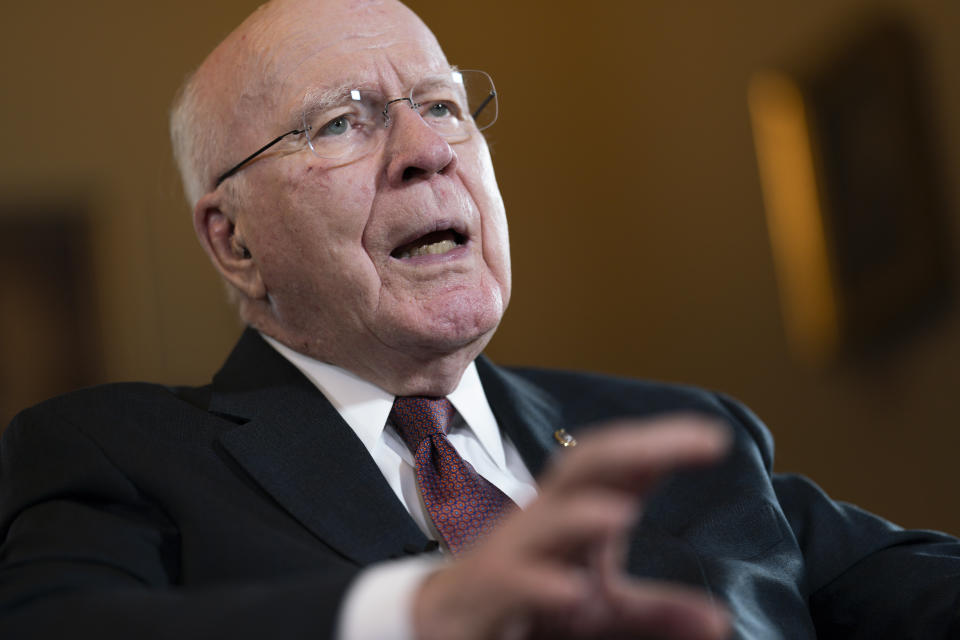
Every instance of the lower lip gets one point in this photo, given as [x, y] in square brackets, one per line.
[436, 258]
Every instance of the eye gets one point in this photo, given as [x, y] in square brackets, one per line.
[336, 127]
[440, 110]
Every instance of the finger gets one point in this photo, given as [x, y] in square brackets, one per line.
[638, 610]
[609, 560]
[660, 610]
[559, 525]
[490, 593]
[632, 455]
[541, 553]
[605, 569]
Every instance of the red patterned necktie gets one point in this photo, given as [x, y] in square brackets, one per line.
[461, 503]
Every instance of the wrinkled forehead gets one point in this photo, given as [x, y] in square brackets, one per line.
[367, 45]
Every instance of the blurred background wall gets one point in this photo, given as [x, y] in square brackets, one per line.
[624, 152]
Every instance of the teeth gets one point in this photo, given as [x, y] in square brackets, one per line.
[430, 249]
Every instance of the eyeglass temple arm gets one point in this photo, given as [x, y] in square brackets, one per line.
[483, 105]
[253, 155]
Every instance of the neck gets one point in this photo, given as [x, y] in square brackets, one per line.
[433, 377]
[402, 373]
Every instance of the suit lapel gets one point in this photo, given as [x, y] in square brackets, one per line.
[524, 412]
[293, 442]
[296, 446]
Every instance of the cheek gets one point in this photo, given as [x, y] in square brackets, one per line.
[313, 223]
[322, 204]
[486, 193]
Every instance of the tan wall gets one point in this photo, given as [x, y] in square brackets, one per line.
[625, 156]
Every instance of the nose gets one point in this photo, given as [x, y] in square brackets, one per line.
[414, 150]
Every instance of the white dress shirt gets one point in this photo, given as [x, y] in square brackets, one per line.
[387, 587]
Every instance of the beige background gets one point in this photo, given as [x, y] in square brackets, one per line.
[625, 156]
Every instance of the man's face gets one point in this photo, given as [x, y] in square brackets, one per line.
[329, 240]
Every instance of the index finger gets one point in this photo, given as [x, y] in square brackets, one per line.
[631, 455]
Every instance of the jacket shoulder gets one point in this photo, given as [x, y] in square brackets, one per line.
[122, 396]
[115, 408]
[585, 397]
[574, 389]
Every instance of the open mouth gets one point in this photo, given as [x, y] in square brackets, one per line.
[430, 244]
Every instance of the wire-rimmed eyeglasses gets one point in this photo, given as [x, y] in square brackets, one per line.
[346, 125]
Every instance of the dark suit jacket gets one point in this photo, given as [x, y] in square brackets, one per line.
[243, 509]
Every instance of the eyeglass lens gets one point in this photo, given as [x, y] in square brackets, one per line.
[455, 104]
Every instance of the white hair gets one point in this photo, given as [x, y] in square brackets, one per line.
[195, 139]
[198, 142]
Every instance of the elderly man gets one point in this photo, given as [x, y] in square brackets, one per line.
[357, 469]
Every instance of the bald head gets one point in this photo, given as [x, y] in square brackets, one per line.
[392, 262]
[229, 106]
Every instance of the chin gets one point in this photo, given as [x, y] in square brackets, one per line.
[463, 323]
[441, 337]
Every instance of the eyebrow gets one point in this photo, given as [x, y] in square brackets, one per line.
[321, 98]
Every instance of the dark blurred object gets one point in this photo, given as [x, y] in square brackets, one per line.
[48, 320]
[854, 194]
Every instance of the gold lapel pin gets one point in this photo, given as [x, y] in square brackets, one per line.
[564, 438]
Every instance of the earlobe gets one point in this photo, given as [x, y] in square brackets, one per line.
[223, 240]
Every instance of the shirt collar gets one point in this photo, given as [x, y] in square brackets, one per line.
[365, 407]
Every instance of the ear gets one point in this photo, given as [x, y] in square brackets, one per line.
[223, 241]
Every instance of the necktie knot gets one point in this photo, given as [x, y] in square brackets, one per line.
[417, 418]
